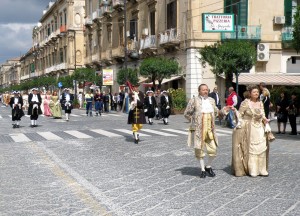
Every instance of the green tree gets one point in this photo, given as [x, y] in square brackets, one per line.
[230, 57]
[296, 31]
[127, 74]
[158, 68]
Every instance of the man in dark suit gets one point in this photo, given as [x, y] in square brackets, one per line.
[215, 95]
[16, 103]
[67, 103]
[34, 109]
[166, 105]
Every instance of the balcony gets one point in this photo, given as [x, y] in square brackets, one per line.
[169, 38]
[118, 52]
[118, 5]
[106, 57]
[58, 67]
[106, 10]
[88, 21]
[148, 44]
[95, 58]
[287, 34]
[97, 14]
[244, 33]
[32, 74]
[63, 29]
[25, 77]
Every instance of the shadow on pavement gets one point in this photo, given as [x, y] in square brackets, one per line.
[191, 171]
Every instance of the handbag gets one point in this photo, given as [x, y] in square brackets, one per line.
[280, 116]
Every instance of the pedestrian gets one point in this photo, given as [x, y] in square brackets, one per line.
[265, 98]
[136, 116]
[231, 102]
[34, 109]
[216, 97]
[55, 105]
[158, 108]
[150, 106]
[121, 100]
[282, 113]
[98, 103]
[293, 112]
[166, 104]
[67, 102]
[47, 111]
[250, 146]
[115, 102]
[16, 103]
[106, 100]
[201, 111]
[89, 103]
[25, 100]
[79, 98]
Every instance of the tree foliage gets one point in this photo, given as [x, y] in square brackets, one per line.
[296, 31]
[127, 74]
[229, 57]
[158, 68]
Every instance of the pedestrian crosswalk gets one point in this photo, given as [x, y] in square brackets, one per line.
[95, 133]
[72, 115]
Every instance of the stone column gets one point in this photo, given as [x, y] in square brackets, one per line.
[194, 75]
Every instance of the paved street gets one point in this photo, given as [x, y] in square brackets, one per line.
[90, 166]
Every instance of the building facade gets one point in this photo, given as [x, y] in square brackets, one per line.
[173, 28]
[10, 73]
[58, 41]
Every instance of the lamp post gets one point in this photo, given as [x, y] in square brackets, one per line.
[237, 37]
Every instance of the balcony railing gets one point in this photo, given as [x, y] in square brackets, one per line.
[88, 20]
[118, 52]
[106, 10]
[244, 33]
[118, 4]
[287, 34]
[150, 42]
[171, 36]
[58, 67]
[25, 77]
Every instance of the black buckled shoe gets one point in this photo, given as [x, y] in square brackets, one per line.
[202, 174]
[210, 172]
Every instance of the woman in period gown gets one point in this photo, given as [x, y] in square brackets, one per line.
[55, 106]
[250, 146]
[47, 111]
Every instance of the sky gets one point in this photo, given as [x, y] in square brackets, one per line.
[17, 19]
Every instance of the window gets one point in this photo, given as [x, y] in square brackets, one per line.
[239, 8]
[65, 14]
[48, 30]
[172, 15]
[152, 22]
[290, 8]
[61, 19]
[61, 55]
[121, 35]
[133, 29]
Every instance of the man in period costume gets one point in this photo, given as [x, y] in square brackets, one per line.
[201, 110]
[166, 103]
[34, 109]
[66, 103]
[136, 115]
[158, 108]
[150, 106]
[16, 103]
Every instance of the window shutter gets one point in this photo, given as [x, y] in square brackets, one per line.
[243, 12]
[288, 12]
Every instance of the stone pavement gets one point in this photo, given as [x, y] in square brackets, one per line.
[101, 175]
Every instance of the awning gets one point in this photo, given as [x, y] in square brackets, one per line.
[269, 79]
[171, 79]
[142, 79]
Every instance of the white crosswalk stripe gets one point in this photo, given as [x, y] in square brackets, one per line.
[19, 137]
[49, 136]
[75, 115]
[1, 116]
[106, 133]
[177, 131]
[158, 132]
[78, 134]
[130, 132]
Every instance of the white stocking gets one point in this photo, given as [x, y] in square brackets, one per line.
[202, 166]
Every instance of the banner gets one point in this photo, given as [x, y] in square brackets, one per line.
[108, 77]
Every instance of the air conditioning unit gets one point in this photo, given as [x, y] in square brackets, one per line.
[263, 52]
[279, 19]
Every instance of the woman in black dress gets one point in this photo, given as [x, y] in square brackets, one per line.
[282, 114]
